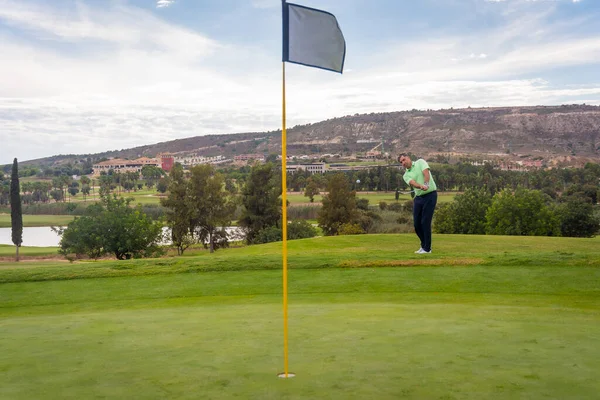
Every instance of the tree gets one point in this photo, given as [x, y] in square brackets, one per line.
[209, 207]
[178, 213]
[16, 214]
[112, 227]
[4, 192]
[586, 191]
[524, 212]
[577, 218]
[311, 190]
[74, 188]
[260, 201]
[465, 215]
[161, 186]
[151, 174]
[56, 194]
[230, 186]
[85, 190]
[339, 206]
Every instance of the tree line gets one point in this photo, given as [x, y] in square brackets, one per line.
[201, 202]
[449, 177]
[520, 212]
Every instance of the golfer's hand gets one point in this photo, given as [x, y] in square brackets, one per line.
[424, 187]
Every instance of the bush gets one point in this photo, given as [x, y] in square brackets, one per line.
[362, 204]
[403, 220]
[465, 215]
[367, 219]
[296, 230]
[112, 227]
[524, 212]
[350, 229]
[267, 235]
[390, 222]
[397, 207]
[301, 229]
[383, 205]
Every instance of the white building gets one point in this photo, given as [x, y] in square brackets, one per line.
[315, 168]
[120, 165]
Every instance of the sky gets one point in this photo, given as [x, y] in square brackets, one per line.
[86, 76]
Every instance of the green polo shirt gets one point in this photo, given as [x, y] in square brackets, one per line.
[415, 172]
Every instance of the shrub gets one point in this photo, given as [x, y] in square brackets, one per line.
[296, 230]
[300, 229]
[367, 220]
[390, 222]
[362, 204]
[350, 229]
[397, 207]
[112, 227]
[465, 215]
[524, 212]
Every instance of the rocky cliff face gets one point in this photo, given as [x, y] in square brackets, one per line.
[549, 131]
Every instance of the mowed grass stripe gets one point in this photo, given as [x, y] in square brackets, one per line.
[549, 281]
[350, 350]
[334, 252]
[37, 220]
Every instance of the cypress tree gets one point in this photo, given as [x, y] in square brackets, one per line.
[16, 214]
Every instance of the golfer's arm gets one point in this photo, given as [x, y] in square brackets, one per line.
[414, 183]
[426, 175]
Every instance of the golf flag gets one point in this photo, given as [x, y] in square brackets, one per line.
[313, 38]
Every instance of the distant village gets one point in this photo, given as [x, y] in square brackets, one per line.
[369, 159]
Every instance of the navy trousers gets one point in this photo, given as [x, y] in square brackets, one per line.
[423, 207]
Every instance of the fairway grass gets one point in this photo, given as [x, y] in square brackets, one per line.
[37, 220]
[510, 318]
[8, 251]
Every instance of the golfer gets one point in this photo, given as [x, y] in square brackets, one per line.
[418, 176]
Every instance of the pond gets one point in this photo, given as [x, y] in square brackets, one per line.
[45, 237]
[41, 236]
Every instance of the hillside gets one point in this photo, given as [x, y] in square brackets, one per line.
[565, 133]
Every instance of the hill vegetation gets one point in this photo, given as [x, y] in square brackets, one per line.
[557, 134]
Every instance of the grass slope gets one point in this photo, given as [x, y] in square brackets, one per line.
[498, 317]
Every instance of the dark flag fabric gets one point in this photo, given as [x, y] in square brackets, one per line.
[313, 38]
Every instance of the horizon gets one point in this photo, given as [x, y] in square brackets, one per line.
[296, 127]
[84, 78]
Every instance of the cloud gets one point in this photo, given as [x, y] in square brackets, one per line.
[86, 79]
[164, 3]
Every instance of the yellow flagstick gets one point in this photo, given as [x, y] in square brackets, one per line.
[284, 232]
[324, 48]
